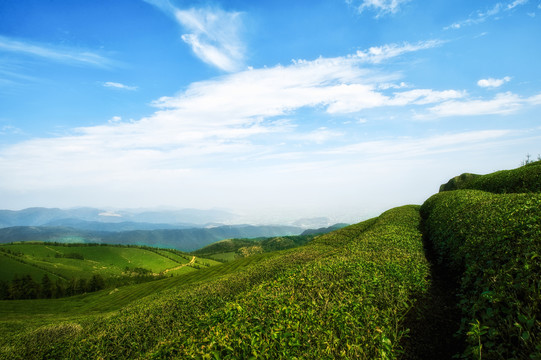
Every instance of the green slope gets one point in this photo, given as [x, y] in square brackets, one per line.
[79, 261]
[524, 179]
[343, 295]
[360, 292]
[487, 234]
[230, 249]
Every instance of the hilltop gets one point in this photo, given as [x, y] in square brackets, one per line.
[397, 286]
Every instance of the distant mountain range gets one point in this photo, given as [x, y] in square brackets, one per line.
[180, 239]
[185, 230]
[94, 219]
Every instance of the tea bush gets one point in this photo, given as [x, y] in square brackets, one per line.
[525, 179]
[492, 243]
[344, 295]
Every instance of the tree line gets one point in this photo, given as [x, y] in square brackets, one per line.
[25, 287]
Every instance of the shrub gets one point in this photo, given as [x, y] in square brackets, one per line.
[525, 179]
[492, 243]
[344, 295]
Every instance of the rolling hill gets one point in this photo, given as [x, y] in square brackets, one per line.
[398, 286]
[66, 261]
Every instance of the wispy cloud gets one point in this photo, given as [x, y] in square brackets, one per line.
[213, 34]
[415, 146]
[70, 56]
[501, 104]
[516, 3]
[493, 83]
[116, 85]
[248, 123]
[10, 130]
[381, 7]
[424, 96]
[377, 54]
[482, 16]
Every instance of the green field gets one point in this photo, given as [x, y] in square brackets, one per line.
[398, 286]
[37, 259]
[231, 249]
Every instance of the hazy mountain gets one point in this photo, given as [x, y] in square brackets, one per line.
[313, 223]
[83, 218]
[181, 239]
[117, 226]
[324, 230]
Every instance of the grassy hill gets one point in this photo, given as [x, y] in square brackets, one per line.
[65, 261]
[397, 286]
[230, 249]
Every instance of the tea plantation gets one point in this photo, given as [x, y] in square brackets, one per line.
[379, 289]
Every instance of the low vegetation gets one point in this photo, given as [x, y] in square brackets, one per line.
[491, 242]
[343, 295]
[230, 249]
[525, 179]
[362, 291]
[54, 270]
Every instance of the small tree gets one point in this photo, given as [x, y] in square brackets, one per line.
[4, 290]
[59, 289]
[96, 283]
[30, 288]
[81, 286]
[46, 287]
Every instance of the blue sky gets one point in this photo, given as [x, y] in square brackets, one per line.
[274, 109]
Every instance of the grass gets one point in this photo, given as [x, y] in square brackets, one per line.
[10, 266]
[343, 295]
[230, 249]
[37, 259]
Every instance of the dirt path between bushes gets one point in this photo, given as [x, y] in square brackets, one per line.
[178, 267]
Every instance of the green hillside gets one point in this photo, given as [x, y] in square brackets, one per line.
[60, 260]
[52, 270]
[230, 249]
[522, 180]
[398, 286]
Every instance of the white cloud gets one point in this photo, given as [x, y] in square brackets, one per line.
[385, 86]
[482, 16]
[378, 54]
[534, 100]
[10, 130]
[226, 136]
[516, 3]
[493, 83]
[213, 34]
[381, 7]
[318, 136]
[64, 55]
[424, 96]
[115, 120]
[119, 86]
[501, 104]
[408, 147]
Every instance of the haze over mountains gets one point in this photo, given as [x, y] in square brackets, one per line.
[184, 229]
[85, 217]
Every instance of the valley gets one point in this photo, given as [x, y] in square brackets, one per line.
[397, 286]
